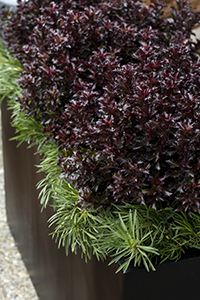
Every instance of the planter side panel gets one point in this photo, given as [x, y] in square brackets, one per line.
[54, 275]
[171, 281]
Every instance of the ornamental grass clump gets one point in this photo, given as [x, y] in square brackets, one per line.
[115, 87]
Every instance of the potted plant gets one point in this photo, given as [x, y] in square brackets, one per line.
[110, 97]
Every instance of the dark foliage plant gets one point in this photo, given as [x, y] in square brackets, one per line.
[116, 86]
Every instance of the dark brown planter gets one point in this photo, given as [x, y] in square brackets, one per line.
[171, 281]
[56, 276]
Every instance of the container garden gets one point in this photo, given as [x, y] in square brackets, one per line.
[109, 96]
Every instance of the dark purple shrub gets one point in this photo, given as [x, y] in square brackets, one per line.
[117, 86]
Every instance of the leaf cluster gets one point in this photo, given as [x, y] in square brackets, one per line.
[132, 236]
[116, 86]
[10, 69]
